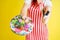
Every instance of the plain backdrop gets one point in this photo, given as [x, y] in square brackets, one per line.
[11, 8]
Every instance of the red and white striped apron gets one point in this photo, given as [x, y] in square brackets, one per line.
[39, 31]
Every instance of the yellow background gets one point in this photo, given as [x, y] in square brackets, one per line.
[11, 8]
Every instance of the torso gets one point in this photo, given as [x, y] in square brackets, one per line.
[39, 31]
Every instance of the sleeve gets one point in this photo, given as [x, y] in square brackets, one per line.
[47, 3]
[27, 1]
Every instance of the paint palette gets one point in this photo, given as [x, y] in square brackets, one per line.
[21, 25]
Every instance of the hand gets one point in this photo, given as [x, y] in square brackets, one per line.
[45, 9]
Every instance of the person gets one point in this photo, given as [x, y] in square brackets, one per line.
[34, 10]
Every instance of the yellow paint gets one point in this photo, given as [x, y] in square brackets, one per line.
[11, 8]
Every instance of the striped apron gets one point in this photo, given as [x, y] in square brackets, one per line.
[39, 31]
